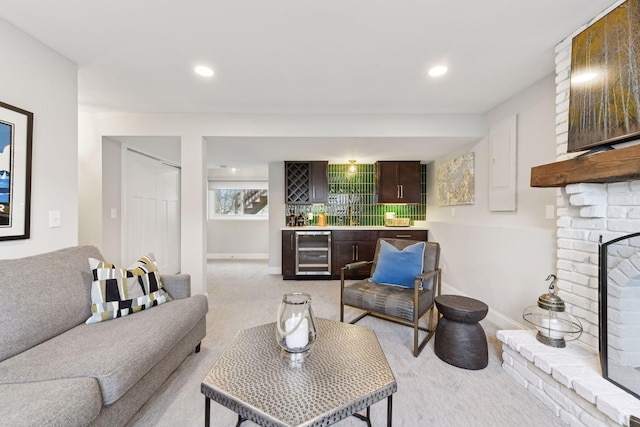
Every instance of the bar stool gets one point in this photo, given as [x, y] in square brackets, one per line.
[460, 340]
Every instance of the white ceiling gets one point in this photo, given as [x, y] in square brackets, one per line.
[297, 56]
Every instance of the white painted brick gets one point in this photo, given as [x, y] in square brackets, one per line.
[573, 255]
[618, 277]
[519, 379]
[563, 106]
[589, 198]
[593, 212]
[626, 199]
[585, 292]
[514, 358]
[617, 212]
[590, 421]
[563, 264]
[565, 243]
[633, 213]
[624, 225]
[562, 146]
[588, 269]
[628, 268]
[567, 374]
[618, 406]
[576, 301]
[564, 222]
[563, 86]
[593, 388]
[583, 246]
[617, 187]
[564, 63]
[570, 419]
[634, 185]
[574, 277]
[569, 233]
[589, 224]
[546, 400]
[564, 211]
[530, 373]
[562, 96]
[586, 188]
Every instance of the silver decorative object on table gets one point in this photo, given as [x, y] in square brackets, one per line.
[554, 325]
[296, 329]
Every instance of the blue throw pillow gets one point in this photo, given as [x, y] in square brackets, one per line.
[398, 267]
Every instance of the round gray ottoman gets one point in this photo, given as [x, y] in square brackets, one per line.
[460, 340]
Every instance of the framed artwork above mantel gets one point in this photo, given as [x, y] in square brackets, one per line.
[16, 134]
[604, 100]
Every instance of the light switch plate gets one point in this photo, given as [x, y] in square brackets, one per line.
[54, 219]
[550, 212]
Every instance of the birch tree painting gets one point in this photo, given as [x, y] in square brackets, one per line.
[605, 84]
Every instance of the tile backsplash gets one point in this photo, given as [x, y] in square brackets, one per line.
[352, 199]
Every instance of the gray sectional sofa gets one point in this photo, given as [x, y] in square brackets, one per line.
[57, 370]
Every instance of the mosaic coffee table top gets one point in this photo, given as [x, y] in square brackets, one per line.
[345, 372]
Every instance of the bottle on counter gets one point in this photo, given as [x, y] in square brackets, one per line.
[322, 220]
[300, 221]
[292, 221]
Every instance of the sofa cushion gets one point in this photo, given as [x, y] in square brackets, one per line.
[43, 296]
[117, 292]
[66, 402]
[117, 353]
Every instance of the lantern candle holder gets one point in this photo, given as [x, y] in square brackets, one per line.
[296, 329]
[555, 326]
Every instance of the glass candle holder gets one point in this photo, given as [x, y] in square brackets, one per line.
[296, 329]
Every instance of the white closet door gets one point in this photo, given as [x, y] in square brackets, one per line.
[169, 250]
[151, 223]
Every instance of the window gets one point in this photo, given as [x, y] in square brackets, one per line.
[238, 200]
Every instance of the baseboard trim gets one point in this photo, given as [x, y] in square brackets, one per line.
[238, 256]
[493, 316]
[274, 270]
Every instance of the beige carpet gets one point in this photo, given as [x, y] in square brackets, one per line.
[430, 392]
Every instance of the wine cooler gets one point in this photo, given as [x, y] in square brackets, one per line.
[313, 253]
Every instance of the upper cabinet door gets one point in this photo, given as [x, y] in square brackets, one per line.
[398, 182]
[306, 182]
[319, 182]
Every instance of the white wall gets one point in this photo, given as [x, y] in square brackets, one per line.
[502, 258]
[112, 199]
[228, 238]
[37, 79]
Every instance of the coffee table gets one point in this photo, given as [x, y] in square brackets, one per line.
[344, 373]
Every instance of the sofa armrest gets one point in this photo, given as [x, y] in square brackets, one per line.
[177, 285]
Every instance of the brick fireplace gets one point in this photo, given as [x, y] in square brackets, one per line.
[569, 381]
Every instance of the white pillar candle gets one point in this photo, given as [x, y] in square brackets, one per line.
[548, 326]
[300, 337]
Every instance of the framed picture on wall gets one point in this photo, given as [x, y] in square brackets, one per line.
[16, 133]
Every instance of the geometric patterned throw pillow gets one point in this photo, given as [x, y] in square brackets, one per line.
[117, 292]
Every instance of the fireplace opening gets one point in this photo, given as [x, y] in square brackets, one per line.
[619, 311]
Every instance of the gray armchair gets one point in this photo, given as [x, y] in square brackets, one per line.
[396, 303]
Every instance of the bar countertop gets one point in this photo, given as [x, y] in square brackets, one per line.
[351, 227]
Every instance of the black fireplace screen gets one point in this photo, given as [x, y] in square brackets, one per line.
[619, 311]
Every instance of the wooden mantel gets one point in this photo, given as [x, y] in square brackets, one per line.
[621, 164]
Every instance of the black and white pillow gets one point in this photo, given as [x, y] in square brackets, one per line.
[117, 292]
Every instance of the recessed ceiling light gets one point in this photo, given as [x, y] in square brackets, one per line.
[438, 70]
[204, 71]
